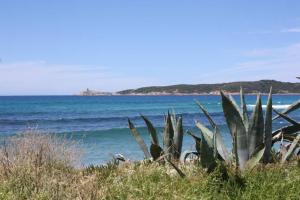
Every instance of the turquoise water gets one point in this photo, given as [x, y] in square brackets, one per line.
[100, 123]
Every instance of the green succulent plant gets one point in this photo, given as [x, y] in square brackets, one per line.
[172, 138]
[252, 137]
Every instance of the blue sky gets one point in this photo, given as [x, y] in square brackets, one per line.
[62, 47]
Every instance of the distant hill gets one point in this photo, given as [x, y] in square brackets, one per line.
[261, 86]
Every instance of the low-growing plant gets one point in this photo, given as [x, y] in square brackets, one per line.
[172, 138]
[252, 138]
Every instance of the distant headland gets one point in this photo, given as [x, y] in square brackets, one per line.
[250, 87]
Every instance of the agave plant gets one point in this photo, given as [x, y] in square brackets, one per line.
[252, 138]
[172, 138]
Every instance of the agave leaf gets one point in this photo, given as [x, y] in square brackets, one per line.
[168, 136]
[151, 130]
[237, 130]
[207, 158]
[286, 137]
[283, 151]
[291, 149]
[211, 121]
[289, 109]
[186, 154]
[214, 126]
[197, 141]
[235, 148]
[178, 137]
[268, 129]
[256, 157]
[173, 119]
[256, 128]
[220, 145]
[215, 144]
[179, 171]
[156, 151]
[287, 118]
[287, 130]
[235, 105]
[244, 109]
[139, 139]
[208, 134]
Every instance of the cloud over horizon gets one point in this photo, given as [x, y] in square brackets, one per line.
[281, 63]
[40, 77]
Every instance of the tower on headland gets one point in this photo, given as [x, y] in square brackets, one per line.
[89, 92]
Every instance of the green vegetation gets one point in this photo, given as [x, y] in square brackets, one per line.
[36, 167]
[172, 138]
[252, 138]
[233, 87]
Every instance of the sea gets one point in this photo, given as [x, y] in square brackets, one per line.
[98, 124]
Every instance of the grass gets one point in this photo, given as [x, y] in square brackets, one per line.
[36, 166]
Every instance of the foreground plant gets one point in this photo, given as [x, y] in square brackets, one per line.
[252, 138]
[172, 138]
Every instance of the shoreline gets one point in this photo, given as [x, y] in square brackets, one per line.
[187, 94]
[169, 94]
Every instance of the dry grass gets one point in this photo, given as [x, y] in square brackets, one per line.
[39, 166]
[34, 163]
[36, 149]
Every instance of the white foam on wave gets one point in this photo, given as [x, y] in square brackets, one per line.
[283, 106]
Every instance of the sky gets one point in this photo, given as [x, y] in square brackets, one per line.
[65, 46]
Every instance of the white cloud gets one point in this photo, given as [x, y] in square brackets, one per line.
[282, 63]
[262, 32]
[275, 31]
[40, 77]
[291, 30]
[277, 63]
